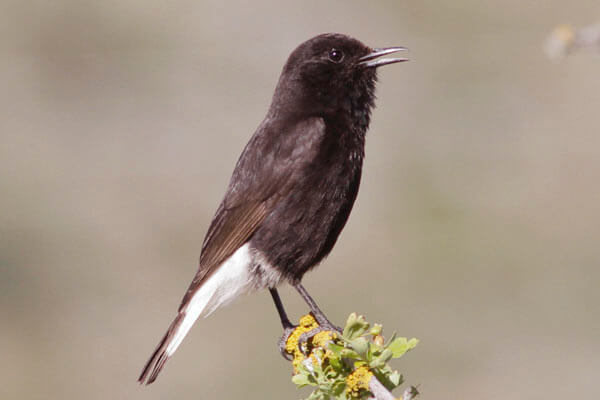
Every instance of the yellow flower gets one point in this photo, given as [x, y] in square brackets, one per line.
[306, 324]
[321, 338]
[358, 381]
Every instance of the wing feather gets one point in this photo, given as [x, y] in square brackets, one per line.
[272, 161]
[232, 229]
[261, 177]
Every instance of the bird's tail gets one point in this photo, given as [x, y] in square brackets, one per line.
[160, 356]
[230, 280]
[201, 303]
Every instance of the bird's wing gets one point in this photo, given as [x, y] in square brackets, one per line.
[265, 172]
[263, 175]
[229, 230]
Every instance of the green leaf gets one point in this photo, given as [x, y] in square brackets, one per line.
[318, 372]
[392, 338]
[356, 325]
[360, 345]
[342, 395]
[301, 380]
[339, 387]
[401, 345]
[396, 378]
[335, 348]
[316, 395]
[336, 364]
[382, 359]
[349, 353]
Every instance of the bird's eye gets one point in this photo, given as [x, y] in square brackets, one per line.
[336, 55]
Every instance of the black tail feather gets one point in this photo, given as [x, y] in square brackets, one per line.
[158, 359]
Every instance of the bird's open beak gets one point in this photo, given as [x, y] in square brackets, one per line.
[369, 61]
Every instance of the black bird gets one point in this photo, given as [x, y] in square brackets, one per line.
[293, 187]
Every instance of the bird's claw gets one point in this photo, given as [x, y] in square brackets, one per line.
[306, 336]
[283, 342]
[302, 336]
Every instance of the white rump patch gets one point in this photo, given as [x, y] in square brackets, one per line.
[232, 278]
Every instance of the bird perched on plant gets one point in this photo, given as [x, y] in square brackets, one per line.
[293, 187]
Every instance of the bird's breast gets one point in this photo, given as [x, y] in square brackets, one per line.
[305, 224]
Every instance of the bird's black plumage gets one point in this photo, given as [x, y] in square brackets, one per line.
[294, 185]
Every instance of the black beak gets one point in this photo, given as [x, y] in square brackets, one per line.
[369, 61]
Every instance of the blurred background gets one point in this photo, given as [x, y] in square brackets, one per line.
[476, 229]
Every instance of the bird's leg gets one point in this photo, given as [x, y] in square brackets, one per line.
[324, 323]
[285, 321]
[288, 328]
[319, 315]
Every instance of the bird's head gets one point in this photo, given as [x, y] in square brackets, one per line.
[331, 73]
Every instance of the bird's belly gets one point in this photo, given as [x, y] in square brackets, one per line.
[305, 225]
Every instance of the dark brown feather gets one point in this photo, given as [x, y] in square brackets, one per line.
[158, 359]
[249, 201]
[233, 228]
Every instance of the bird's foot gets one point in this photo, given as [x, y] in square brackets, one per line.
[324, 326]
[295, 339]
[282, 343]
